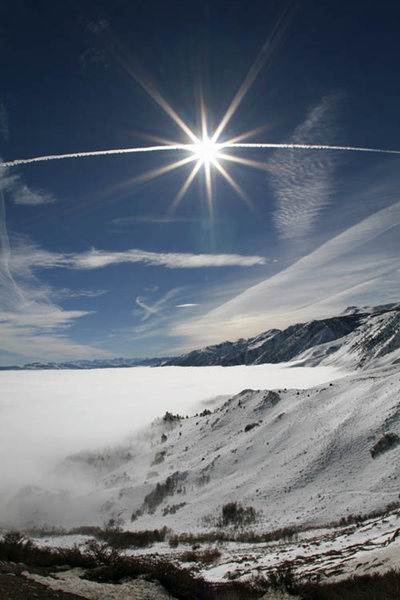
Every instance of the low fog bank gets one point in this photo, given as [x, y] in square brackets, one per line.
[46, 416]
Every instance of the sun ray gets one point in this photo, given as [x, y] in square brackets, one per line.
[203, 116]
[162, 170]
[244, 136]
[153, 174]
[236, 187]
[160, 140]
[149, 87]
[209, 196]
[186, 184]
[245, 161]
[240, 94]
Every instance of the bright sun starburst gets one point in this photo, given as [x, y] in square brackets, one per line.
[206, 151]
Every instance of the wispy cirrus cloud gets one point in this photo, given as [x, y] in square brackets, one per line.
[351, 268]
[31, 324]
[302, 181]
[95, 259]
[68, 293]
[23, 194]
[26, 257]
[20, 192]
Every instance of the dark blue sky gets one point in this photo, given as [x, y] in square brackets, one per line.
[96, 262]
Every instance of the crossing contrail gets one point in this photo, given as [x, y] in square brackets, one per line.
[192, 148]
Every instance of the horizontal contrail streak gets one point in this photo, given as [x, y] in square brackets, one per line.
[26, 161]
[192, 148]
[309, 147]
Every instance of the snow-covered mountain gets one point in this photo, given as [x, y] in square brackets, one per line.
[356, 338]
[296, 456]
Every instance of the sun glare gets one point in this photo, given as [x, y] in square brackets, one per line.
[206, 151]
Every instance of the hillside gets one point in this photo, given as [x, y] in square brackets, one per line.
[297, 456]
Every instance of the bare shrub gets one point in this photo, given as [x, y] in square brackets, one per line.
[208, 556]
[237, 515]
[133, 539]
[102, 553]
[362, 587]
[15, 546]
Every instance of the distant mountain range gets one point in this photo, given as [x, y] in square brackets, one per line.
[354, 338]
[106, 363]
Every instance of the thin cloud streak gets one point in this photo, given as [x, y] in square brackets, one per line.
[26, 258]
[187, 305]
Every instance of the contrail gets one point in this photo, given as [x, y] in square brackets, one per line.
[309, 147]
[26, 161]
[192, 148]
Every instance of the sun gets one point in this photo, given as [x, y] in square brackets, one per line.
[206, 151]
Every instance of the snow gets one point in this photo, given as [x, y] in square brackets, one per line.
[47, 415]
[71, 581]
[335, 552]
[304, 461]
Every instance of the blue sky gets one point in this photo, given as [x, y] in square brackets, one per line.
[98, 259]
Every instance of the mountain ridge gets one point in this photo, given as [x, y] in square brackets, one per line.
[353, 338]
[318, 341]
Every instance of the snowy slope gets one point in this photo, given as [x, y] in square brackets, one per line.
[297, 456]
[375, 342]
